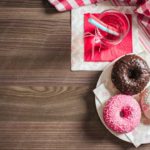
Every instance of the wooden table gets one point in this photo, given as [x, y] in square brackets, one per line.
[43, 105]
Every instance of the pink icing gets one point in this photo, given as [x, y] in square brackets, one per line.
[122, 113]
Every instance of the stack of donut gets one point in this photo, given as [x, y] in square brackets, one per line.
[130, 75]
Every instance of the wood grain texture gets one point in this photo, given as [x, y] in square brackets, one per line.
[43, 105]
[25, 3]
[57, 135]
[53, 103]
[35, 47]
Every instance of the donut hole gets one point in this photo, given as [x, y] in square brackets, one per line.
[121, 114]
[134, 73]
[126, 112]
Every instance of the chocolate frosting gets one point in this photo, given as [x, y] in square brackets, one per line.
[130, 74]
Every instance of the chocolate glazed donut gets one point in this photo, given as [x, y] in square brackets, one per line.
[130, 74]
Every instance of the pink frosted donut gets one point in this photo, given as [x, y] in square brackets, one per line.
[145, 102]
[122, 113]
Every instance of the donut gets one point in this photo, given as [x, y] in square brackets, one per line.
[122, 113]
[145, 102]
[130, 74]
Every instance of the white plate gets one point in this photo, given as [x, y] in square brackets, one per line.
[105, 79]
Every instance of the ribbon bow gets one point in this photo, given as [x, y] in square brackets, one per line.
[95, 40]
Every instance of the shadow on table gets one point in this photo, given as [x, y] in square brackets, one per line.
[49, 9]
[95, 130]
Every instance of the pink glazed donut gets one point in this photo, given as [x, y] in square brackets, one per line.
[122, 113]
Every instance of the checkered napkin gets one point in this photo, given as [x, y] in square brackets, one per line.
[144, 17]
[143, 10]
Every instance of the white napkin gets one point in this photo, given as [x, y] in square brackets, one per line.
[77, 41]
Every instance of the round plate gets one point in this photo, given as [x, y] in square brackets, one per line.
[105, 78]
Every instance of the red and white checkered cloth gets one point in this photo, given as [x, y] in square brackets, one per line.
[144, 16]
[143, 9]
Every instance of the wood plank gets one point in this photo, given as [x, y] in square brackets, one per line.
[35, 14]
[34, 48]
[47, 103]
[58, 135]
[25, 3]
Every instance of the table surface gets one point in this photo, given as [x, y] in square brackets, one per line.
[43, 105]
